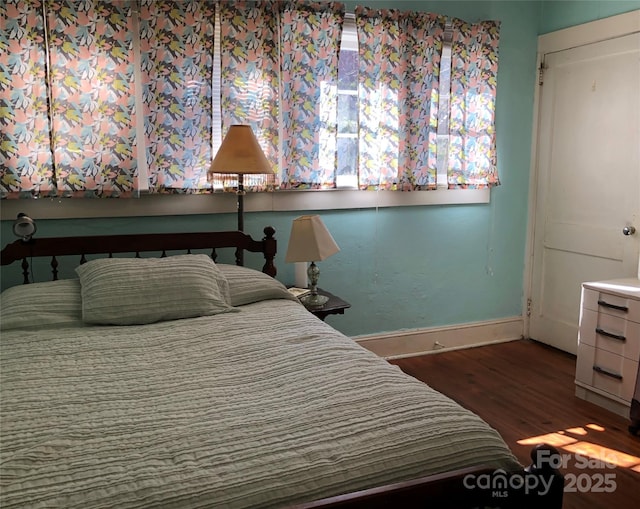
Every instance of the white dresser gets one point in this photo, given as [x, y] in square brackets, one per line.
[609, 343]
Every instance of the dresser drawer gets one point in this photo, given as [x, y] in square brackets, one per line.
[614, 305]
[611, 333]
[606, 371]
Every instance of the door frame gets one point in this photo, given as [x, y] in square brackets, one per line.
[568, 38]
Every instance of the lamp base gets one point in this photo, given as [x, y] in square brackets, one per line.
[313, 300]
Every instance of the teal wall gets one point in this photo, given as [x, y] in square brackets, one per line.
[412, 267]
[558, 14]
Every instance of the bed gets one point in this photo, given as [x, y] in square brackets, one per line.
[161, 377]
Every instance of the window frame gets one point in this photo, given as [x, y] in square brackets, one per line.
[344, 197]
[219, 203]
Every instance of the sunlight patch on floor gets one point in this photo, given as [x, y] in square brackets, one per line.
[584, 448]
[555, 439]
[611, 456]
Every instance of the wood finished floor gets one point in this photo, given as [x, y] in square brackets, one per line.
[525, 389]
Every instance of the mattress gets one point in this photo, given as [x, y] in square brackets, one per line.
[264, 407]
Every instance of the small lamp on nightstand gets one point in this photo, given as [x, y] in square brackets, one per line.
[310, 241]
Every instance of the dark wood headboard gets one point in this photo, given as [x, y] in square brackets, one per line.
[158, 242]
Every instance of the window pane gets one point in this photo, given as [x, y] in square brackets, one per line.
[347, 113]
[347, 153]
[347, 142]
[348, 70]
[346, 176]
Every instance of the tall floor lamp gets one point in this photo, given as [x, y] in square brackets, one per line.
[240, 153]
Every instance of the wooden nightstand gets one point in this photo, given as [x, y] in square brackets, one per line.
[334, 306]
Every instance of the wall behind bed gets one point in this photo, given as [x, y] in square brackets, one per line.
[409, 271]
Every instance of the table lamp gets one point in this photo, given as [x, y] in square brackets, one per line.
[310, 241]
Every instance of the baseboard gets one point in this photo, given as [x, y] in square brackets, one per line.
[410, 343]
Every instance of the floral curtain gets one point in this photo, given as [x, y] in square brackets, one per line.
[88, 142]
[176, 38]
[25, 155]
[93, 113]
[280, 68]
[472, 161]
[92, 147]
[310, 43]
[75, 110]
[250, 77]
[398, 96]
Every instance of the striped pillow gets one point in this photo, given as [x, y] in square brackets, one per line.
[41, 305]
[249, 285]
[128, 291]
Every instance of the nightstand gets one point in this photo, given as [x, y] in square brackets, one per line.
[334, 306]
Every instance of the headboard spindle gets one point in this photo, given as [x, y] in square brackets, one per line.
[25, 271]
[54, 267]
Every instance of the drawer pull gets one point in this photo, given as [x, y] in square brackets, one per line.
[611, 335]
[605, 304]
[603, 371]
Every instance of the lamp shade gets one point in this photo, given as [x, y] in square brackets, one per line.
[24, 227]
[240, 153]
[310, 241]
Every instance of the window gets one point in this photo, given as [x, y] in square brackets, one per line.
[427, 88]
[112, 98]
[347, 142]
[442, 135]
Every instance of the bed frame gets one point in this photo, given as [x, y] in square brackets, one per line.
[152, 242]
[465, 488]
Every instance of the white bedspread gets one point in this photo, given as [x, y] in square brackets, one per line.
[265, 407]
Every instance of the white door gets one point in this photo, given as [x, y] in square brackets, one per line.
[588, 186]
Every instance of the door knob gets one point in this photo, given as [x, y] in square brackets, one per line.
[628, 230]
